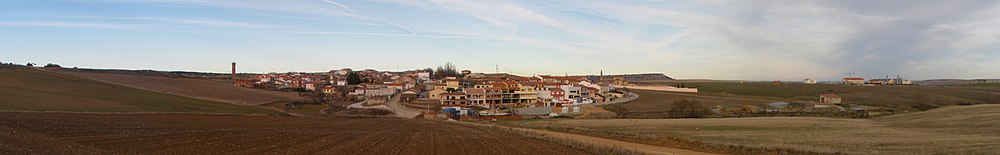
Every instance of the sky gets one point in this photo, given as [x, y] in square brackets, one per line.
[686, 39]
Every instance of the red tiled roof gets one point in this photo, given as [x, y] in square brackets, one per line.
[829, 96]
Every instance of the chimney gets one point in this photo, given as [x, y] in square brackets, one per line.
[233, 75]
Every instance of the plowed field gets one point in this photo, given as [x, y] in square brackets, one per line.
[48, 133]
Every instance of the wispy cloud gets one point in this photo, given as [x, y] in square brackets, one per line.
[169, 21]
[76, 25]
[356, 14]
[784, 39]
[384, 34]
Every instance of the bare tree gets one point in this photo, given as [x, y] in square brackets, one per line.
[448, 70]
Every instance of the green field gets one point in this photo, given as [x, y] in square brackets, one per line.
[946, 130]
[897, 97]
[26, 89]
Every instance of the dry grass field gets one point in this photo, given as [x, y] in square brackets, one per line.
[655, 104]
[898, 97]
[39, 133]
[948, 130]
[26, 89]
[190, 87]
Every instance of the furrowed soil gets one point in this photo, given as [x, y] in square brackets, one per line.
[26, 89]
[198, 88]
[58, 133]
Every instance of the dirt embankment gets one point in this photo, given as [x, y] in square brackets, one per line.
[198, 88]
[29, 133]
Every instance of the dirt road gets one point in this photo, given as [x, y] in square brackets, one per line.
[400, 110]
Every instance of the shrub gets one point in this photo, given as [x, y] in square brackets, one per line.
[687, 109]
[52, 65]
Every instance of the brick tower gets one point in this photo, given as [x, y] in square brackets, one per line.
[233, 75]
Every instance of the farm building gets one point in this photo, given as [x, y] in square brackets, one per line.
[829, 98]
[854, 81]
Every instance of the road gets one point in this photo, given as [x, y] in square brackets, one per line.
[399, 109]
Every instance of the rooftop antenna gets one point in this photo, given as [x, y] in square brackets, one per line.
[498, 69]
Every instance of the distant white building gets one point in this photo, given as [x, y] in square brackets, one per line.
[424, 75]
[344, 71]
[809, 81]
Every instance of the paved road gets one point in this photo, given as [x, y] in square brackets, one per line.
[399, 109]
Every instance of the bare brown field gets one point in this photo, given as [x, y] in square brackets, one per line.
[204, 89]
[949, 130]
[26, 89]
[45, 133]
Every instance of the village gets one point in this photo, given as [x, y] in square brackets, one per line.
[464, 93]
[469, 94]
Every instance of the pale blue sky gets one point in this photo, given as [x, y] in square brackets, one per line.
[752, 40]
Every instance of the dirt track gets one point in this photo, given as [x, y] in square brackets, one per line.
[29, 133]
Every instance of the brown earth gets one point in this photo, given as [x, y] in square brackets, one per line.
[198, 88]
[60, 133]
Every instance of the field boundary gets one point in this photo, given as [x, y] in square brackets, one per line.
[129, 113]
[631, 96]
[596, 145]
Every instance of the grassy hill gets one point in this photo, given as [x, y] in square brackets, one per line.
[180, 84]
[946, 130]
[901, 97]
[36, 90]
[975, 119]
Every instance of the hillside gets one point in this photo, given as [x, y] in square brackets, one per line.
[180, 84]
[898, 97]
[655, 104]
[26, 89]
[975, 119]
[946, 130]
[37, 133]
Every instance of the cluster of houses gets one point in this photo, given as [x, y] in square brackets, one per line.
[467, 90]
[875, 82]
[872, 82]
[512, 91]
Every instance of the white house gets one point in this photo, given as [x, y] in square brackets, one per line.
[809, 81]
[424, 75]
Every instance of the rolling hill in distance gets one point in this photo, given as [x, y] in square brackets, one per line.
[27, 89]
